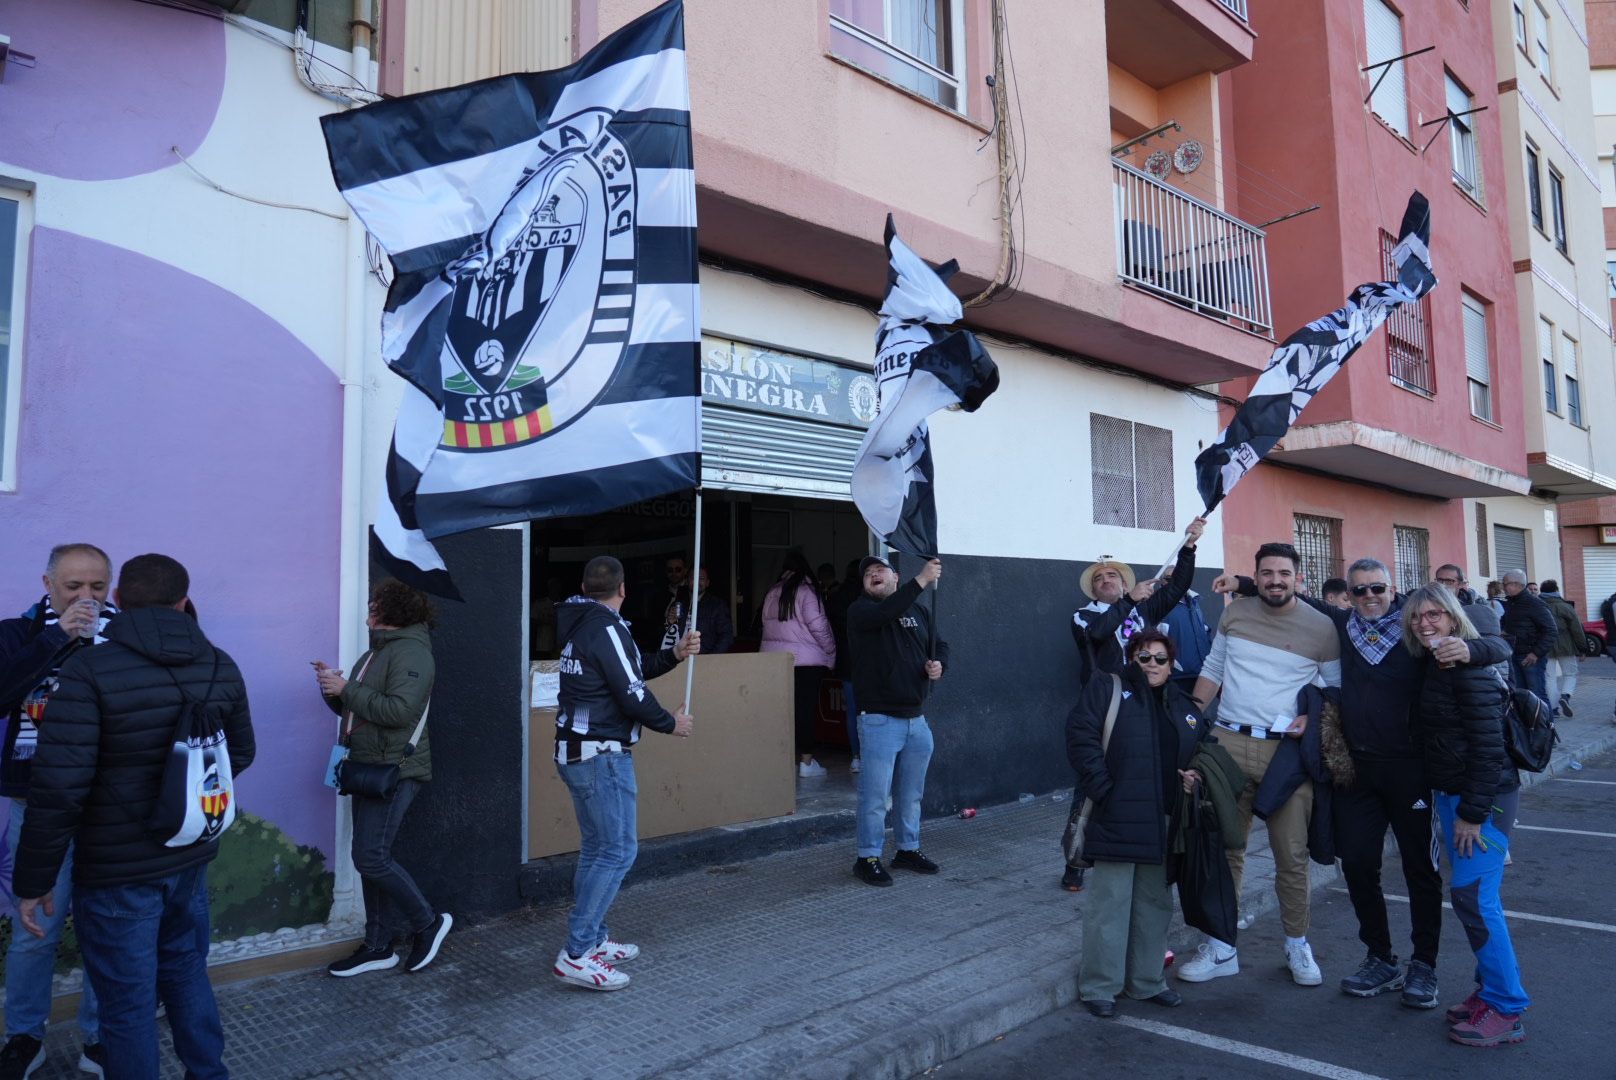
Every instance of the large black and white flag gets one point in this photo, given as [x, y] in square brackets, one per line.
[544, 308]
[1309, 358]
[919, 368]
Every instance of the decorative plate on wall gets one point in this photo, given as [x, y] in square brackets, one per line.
[1188, 156]
[1159, 165]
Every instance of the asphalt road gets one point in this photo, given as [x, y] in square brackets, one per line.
[1259, 1025]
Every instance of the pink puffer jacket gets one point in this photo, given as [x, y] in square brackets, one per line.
[807, 635]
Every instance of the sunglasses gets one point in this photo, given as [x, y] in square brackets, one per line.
[1377, 588]
[1151, 658]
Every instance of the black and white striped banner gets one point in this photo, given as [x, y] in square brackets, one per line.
[544, 309]
[1309, 358]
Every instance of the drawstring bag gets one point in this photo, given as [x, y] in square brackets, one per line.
[197, 800]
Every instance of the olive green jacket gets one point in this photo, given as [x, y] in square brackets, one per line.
[388, 701]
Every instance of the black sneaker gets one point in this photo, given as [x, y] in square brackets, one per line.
[1374, 976]
[1419, 987]
[1565, 706]
[362, 960]
[20, 1057]
[914, 860]
[93, 1059]
[871, 872]
[1072, 880]
[428, 942]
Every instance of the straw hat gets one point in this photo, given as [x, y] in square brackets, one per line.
[1086, 582]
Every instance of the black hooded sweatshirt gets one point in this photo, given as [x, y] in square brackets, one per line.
[603, 697]
[105, 742]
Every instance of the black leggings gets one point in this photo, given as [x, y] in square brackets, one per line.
[808, 680]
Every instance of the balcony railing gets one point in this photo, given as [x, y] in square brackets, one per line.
[1190, 252]
[1236, 6]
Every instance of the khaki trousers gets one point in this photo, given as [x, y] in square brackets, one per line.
[1287, 830]
[1126, 910]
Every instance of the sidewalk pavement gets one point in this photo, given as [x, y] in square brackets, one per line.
[780, 966]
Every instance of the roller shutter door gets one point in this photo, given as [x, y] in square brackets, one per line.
[1599, 578]
[1509, 550]
[777, 455]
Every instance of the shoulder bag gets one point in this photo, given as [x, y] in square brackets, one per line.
[1077, 827]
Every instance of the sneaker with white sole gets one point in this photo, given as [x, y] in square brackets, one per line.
[1212, 960]
[93, 1059]
[1304, 970]
[590, 972]
[428, 942]
[362, 960]
[856, 766]
[615, 952]
[807, 770]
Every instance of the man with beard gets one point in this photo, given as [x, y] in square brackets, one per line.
[1268, 648]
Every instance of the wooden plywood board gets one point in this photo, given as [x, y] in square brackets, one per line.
[740, 765]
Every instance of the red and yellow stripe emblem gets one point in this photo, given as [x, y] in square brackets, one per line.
[213, 805]
[459, 435]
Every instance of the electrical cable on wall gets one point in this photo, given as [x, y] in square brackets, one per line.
[1009, 166]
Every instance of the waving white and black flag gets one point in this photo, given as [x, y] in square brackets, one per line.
[919, 368]
[1309, 358]
[544, 308]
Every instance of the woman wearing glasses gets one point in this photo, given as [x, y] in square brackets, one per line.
[1135, 779]
[1461, 713]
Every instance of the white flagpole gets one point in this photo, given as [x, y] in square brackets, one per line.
[1172, 560]
[695, 599]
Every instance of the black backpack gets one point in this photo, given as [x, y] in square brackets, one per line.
[1529, 733]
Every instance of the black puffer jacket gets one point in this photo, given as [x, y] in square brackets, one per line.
[1462, 733]
[1132, 787]
[103, 745]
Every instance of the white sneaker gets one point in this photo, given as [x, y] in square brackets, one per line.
[589, 972]
[1212, 960]
[1304, 970]
[856, 766]
[808, 769]
[615, 952]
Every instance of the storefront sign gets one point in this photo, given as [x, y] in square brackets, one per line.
[768, 380]
[1607, 534]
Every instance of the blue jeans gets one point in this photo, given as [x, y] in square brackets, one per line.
[1473, 889]
[31, 961]
[851, 709]
[393, 902]
[1534, 678]
[603, 795]
[146, 942]
[895, 754]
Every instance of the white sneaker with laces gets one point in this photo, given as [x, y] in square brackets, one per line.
[856, 766]
[1304, 970]
[589, 972]
[808, 769]
[1212, 960]
[615, 952]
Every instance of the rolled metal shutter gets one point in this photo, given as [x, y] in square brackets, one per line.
[1599, 578]
[1509, 550]
[777, 455]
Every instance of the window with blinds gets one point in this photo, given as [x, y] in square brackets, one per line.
[1411, 553]
[1462, 138]
[1408, 354]
[1318, 542]
[913, 43]
[1478, 367]
[1545, 355]
[1383, 39]
[1131, 474]
[1484, 561]
[1569, 371]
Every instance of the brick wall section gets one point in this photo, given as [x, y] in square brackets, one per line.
[1589, 512]
[1572, 541]
[1601, 33]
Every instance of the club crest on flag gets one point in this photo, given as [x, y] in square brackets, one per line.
[564, 243]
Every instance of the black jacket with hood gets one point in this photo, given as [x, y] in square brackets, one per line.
[603, 696]
[104, 745]
[1462, 731]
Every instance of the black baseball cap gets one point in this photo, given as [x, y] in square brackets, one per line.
[872, 560]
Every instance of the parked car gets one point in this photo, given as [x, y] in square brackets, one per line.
[1595, 629]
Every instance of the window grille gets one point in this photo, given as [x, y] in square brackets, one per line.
[1407, 332]
[1411, 553]
[1131, 474]
[1318, 542]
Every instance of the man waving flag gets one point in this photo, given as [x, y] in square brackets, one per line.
[1309, 358]
[542, 229]
[919, 369]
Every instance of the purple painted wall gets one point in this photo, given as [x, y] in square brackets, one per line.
[162, 413]
[119, 82]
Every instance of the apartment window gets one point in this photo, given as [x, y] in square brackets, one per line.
[1318, 542]
[1540, 33]
[1462, 137]
[1132, 474]
[1384, 40]
[1478, 366]
[1557, 209]
[1484, 561]
[1610, 275]
[1411, 552]
[1569, 370]
[1534, 185]
[1520, 37]
[15, 218]
[1545, 355]
[916, 44]
[1408, 335]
